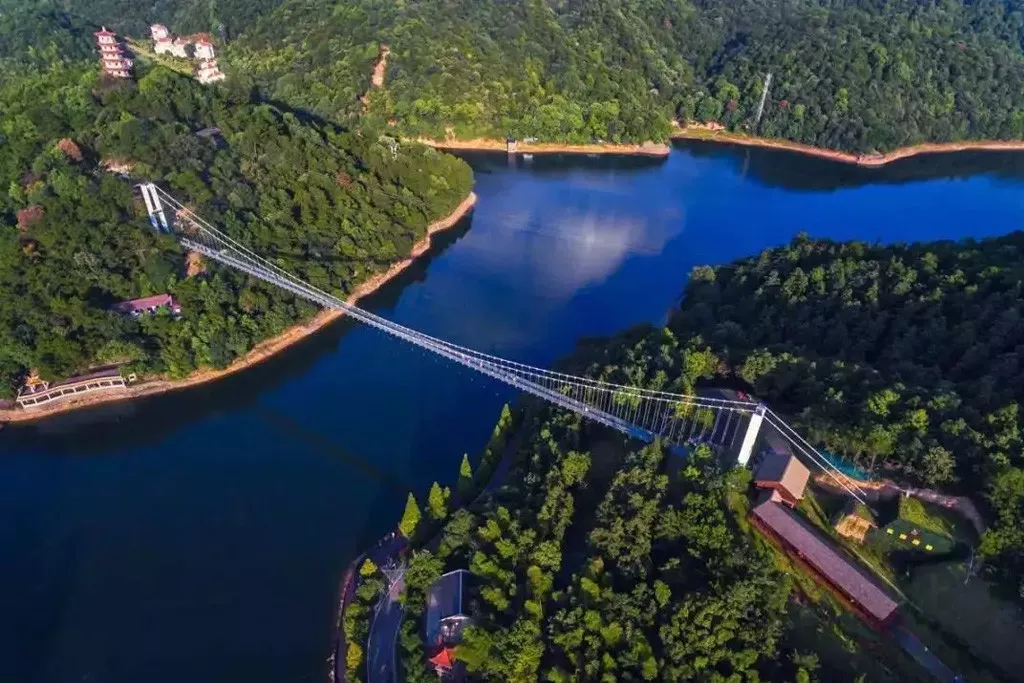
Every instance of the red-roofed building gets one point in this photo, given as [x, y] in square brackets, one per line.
[444, 660]
[149, 304]
[445, 621]
[838, 573]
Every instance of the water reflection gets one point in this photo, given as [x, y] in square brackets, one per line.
[794, 171]
[576, 246]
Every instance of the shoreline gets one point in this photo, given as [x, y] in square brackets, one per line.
[705, 134]
[648, 149]
[259, 353]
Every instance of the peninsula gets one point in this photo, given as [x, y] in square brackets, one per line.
[259, 353]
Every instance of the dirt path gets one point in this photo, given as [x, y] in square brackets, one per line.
[380, 68]
[885, 490]
[714, 134]
[260, 352]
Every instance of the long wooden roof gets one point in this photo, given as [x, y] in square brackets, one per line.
[825, 560]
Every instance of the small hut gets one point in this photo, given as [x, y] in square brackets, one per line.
[854, 521]
[784, 475]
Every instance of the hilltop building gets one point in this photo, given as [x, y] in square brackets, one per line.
[207, 70]
[163, 43]
[112, 56]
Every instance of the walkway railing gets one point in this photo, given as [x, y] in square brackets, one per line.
[644, 414]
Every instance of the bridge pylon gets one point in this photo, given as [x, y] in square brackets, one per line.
[750, 437]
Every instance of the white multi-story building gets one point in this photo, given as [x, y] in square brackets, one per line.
[163, 43]
[207, 70]
[161, 38]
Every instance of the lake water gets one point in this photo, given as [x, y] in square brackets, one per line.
[200, 536]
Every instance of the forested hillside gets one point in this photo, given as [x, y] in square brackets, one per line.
[225, 18]
[852, 74]
[600, 560]
[858, 75]
[909, 359]
[333, 205]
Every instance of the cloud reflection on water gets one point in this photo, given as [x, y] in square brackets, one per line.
[573, 247]
[533, 250]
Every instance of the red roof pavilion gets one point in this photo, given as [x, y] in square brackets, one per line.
[444, 659]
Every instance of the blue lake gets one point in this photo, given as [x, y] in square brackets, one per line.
[200, 536]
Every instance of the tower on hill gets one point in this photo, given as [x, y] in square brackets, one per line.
[112, 56]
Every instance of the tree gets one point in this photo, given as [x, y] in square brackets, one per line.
[437, 502]
[410, 518]
[465, 486]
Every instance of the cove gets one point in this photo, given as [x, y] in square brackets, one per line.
[200, 535]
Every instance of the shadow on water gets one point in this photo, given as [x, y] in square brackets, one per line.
[545, 164]
[124, 424]
[794, 171]
[320, 441]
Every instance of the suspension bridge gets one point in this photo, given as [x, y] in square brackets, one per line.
[644, 414]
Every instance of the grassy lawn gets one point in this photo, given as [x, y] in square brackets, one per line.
[839, 636]
[986, 627]
[938, 519]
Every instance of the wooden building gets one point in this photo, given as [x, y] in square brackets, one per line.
[784, 474]
[824, 562]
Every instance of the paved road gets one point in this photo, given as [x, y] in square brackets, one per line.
[386, 549]
[387, 618]
[925, 657]
[381, 666]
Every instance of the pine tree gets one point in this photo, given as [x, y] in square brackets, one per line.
[437, 502]
[410, 518]
[465, 486]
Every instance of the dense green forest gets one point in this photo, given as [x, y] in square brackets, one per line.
[852, 74]
[600, 559]
[225, 18]
[333, 205]
[858, 75]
